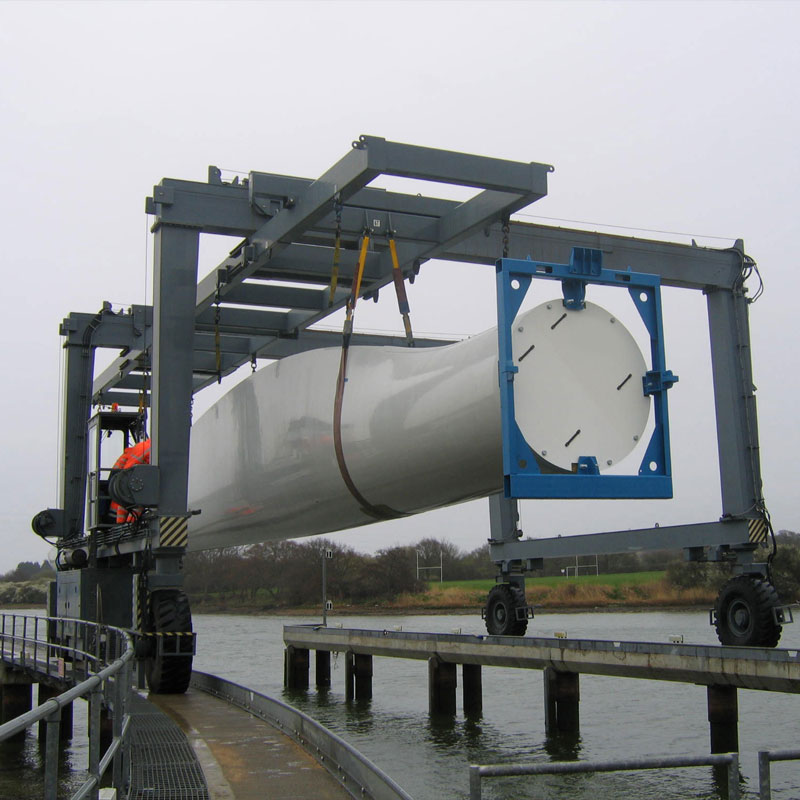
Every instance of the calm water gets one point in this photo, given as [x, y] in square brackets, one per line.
[430, 758]
[620, 718]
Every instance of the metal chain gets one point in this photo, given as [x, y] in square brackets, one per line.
[506, 232]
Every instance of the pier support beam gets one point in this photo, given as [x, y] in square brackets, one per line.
[358, 676]
[442, 681]
[323, 669]
[723, 718]
[472, 688]
[295, 668]
[15, 697]
[562, 695]
[65, 723]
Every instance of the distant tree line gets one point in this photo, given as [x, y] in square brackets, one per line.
[26, 584]
[289, 573]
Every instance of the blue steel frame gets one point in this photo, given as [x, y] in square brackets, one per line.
[522, 477]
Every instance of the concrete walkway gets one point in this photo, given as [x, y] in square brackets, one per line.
[243, 757]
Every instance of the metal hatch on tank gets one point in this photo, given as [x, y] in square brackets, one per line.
[420, 427]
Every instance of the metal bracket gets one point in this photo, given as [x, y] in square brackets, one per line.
[522, 476]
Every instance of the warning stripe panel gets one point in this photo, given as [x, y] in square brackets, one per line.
[174, 531]
[757, 529]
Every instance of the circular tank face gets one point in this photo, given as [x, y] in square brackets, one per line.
[580, 374]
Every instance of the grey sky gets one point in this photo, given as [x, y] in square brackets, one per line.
[678, 117]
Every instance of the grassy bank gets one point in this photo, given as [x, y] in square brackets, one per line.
[623, 590]
[633, 589]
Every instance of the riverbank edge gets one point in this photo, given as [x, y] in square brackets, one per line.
[427, 611]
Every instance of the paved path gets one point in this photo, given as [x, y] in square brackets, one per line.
[243, 757]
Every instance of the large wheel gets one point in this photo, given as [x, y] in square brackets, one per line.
[744, 613]
[501, 611]
[169, 673]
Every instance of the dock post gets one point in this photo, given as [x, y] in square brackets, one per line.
[295, 669]
[562, 695]
[65, 724]
[363, 676]
[472, 689]
[723, 718]
[16, 697]
[323, 669]
[349, 674]
[442, 681]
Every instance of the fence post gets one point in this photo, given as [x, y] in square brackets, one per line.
[764, 777]
[95, 707]
[733, 777]
[474, 782]
[51, 755]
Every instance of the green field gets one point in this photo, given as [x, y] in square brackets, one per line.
[615, 579]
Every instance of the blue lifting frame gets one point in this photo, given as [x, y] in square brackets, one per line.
[522, 477]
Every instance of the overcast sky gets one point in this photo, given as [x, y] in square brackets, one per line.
[677, 117]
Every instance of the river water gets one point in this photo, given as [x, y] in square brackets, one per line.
[620, 717]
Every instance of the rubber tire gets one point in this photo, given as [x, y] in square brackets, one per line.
[744, 616]
[501, 611]
[169, 612]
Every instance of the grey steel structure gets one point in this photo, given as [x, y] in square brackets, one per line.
[201, 328]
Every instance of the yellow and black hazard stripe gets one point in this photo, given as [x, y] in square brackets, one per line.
[757, 530]
[168, 633]
[174, 531]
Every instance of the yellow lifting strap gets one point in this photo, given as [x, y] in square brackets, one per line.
[356, 290]
[400, 288]
[337, 249]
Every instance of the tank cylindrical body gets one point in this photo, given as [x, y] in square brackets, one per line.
[420, 429]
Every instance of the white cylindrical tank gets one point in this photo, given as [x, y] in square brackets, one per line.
[420, 428]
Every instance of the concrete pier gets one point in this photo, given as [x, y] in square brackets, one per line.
[295, 668]
[358, 676]
[562, 696]
[442, 681]
[721, 669]
[472, 689]
[65, 723]
[723, 718]
[16, 695]
[323, 669]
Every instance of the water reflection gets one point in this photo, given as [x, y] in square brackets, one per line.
[620, 718]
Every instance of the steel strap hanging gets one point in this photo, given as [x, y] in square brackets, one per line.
[355, 290]
[337, 248]
[379, 512]
[400, 288]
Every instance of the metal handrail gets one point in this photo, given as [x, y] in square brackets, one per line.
[89, 646]
[731, 760]
[765, 757]
[352, 769]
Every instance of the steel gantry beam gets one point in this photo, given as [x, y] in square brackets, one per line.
[264, 299]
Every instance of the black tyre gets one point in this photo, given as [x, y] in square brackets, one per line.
[169, 673]
[501, 611]
[744, 613]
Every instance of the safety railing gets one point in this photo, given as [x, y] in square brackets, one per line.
[95, 662]
[352, 769]
[765, 758]
[730, 760]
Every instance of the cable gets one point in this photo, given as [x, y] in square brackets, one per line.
[627, 227]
